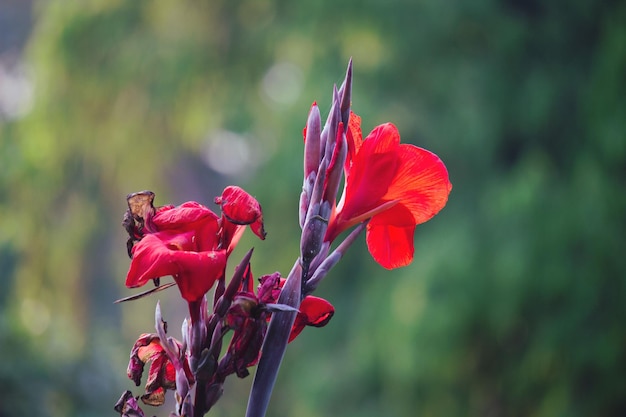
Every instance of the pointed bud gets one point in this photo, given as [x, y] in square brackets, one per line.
[345, 93]
[332, 122]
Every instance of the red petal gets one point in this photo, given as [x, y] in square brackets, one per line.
[421, 183]
[390, 237]
[354, 136]
[258, 228]
[369, 178]
[239, 206]
[151, 259]
[198, 272]
[194, 272]
[314, 311]
[182, 216]
[373, 168]
[317, 310]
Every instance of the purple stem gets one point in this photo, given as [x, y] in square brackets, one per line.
[275, 345]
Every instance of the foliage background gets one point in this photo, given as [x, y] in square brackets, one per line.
[514, 305]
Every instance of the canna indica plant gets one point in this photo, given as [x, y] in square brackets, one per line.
[388, 189]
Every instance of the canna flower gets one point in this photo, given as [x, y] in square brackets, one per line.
[189, 242]
[397, 186]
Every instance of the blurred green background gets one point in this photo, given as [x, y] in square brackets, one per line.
[516, 301]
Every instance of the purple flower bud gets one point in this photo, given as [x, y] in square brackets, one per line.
[312, 238]
[312, 141]
[314, 229]
[332, 123]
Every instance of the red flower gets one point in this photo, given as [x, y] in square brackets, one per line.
[397, 186]
[188, 242]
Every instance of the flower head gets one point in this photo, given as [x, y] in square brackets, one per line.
[397, 186]
[189, 242]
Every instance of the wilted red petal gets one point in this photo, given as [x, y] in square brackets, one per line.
[161, 373]
[421, 183]
[148, 352]
[159, 376]
[155, 398]
[314, 311]
[390, 237]
[127, 406]
[139, 356]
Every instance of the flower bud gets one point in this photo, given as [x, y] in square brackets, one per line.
[332, 123]
[312, 141]
[312, 238]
